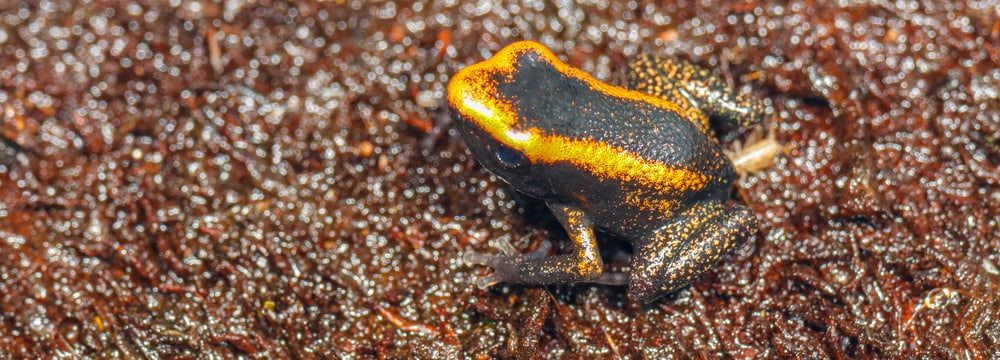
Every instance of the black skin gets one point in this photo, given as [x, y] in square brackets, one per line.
[678, 232]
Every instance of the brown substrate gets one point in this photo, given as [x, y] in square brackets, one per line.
[281, 180]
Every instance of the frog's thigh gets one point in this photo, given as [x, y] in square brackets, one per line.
[583, 264]
[687, 247]
[687, 84]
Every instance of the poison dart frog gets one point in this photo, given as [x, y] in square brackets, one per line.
[641, 163]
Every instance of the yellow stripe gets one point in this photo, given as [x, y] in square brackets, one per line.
[472, 93]
[608, 161]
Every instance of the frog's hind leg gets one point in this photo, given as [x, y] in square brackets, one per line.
[693, 88]
[583, 264]
[691, 244]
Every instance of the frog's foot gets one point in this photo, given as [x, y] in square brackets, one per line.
[504, 263]
[582, 263]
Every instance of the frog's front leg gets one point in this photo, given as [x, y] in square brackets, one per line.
[686, 247]
[583, 264]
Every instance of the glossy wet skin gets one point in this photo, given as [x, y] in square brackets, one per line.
[642, 165]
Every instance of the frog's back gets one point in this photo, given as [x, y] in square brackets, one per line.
[623, 134]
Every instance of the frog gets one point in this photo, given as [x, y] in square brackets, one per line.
[638, 162]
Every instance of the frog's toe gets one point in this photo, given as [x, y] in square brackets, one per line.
[507, 250]
[506, 247]
[503, 266]
[485, 282]
[480, 259]
[540, 252]
[474, 258]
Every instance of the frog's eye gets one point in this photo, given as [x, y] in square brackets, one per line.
[509, 157]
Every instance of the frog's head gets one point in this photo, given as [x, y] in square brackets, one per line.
[482, 99]
[509, 161]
